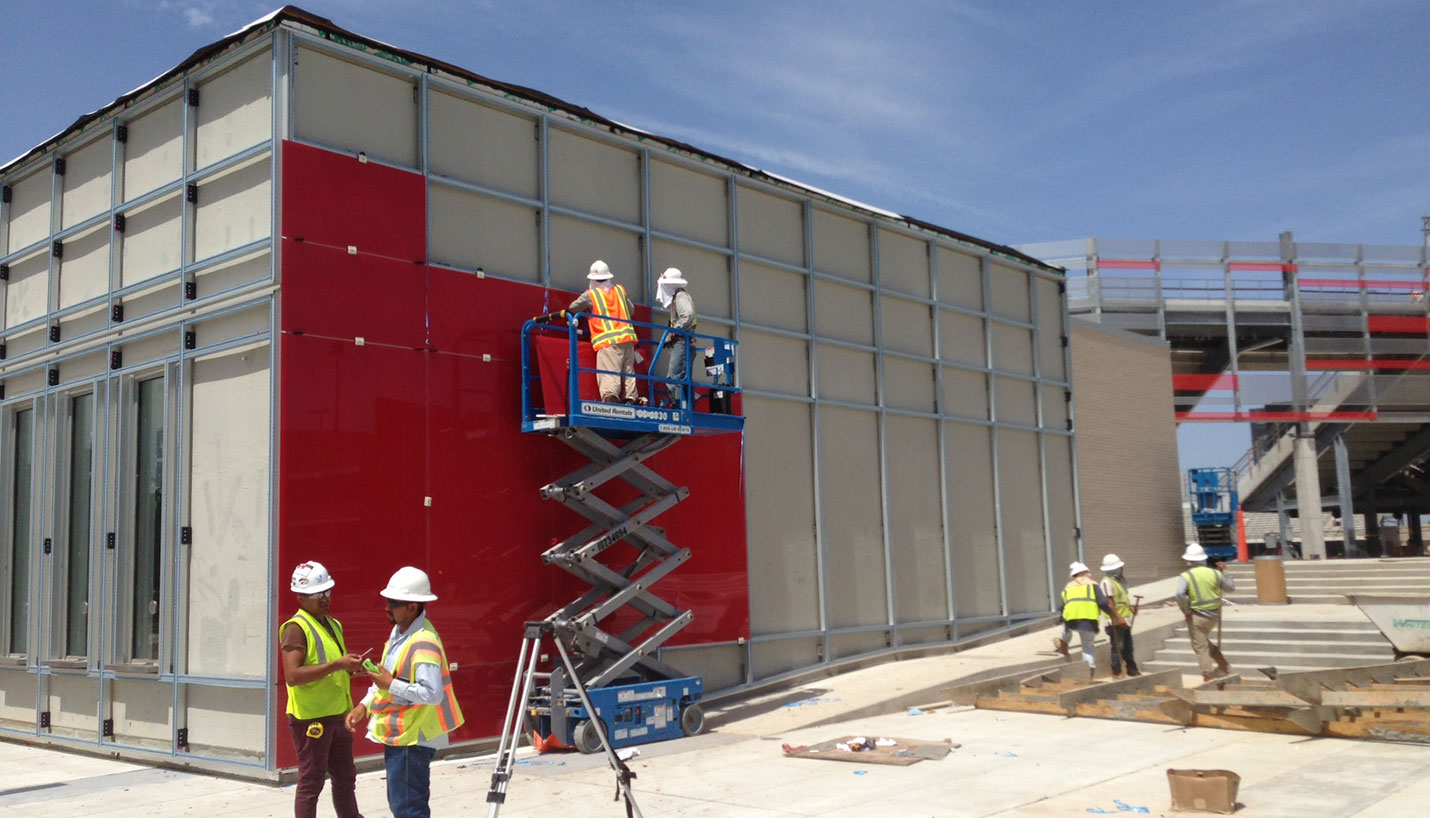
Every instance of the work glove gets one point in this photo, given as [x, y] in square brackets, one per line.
[550, 316]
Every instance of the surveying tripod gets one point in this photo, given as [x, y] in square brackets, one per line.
[608, 689]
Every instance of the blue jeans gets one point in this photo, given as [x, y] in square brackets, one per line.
[409, 780]
[675, 370]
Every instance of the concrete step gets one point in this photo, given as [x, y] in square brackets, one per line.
[1355, 625]
[1191, 667]
[1301, 598]
[1361, 648]
[1302, 636]
[1240, 656]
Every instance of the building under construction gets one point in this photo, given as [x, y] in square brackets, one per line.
[267, 309]
[1321, 347]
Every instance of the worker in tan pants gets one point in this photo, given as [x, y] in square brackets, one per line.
[1199, 595]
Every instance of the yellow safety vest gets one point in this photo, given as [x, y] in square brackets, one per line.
[1203, 588]
[1120, 599]
[400, 724]
[1080, 602]
[331, 695]
[609, 304]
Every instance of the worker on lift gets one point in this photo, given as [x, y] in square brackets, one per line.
[1199, 595]
[1082, 600]
[671, 294]
[613, 336]
[316, 669]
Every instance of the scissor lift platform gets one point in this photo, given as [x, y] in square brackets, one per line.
[612, 688]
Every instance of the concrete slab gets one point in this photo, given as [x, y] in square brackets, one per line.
[1009, 764]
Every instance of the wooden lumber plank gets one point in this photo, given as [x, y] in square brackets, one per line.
[1017, 704]
[1309, 684]
[1258, 722]
[1239, 697]
[1126, 711]
[967, 694]
[1376, 698]
[1109, 689]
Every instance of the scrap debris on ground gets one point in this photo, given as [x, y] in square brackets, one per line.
[898, 752]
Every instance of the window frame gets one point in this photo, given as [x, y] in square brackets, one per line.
[121, 643]
[8, 457]
[62, 416]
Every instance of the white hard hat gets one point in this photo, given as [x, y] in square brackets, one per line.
[1111, 563]
[599, 271]
[409, 585]
[1194, 553]
[310, 578]
[1077, 568]
[673, 276]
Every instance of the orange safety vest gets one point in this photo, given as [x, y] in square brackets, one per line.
[608, 305]
[400, 724]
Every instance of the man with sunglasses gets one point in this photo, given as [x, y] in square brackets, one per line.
[411, 702]
[316, 669]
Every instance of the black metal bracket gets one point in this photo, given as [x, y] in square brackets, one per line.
[109, 541]
[59, 166]
[194, 97]
[49, 544]
[116, 359]
[191, 339]
[116, 313]
[191, 290]
[58, 249]
[119, 222]
[106, 728]
[54, 376]
[191, 193]
[5, 194]
[121, 134]
[44, 719]
[4, 272]
[54, 333]
[186, 536]
[182, 739]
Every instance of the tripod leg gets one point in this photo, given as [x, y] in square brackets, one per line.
[623, 773]
[511, 725]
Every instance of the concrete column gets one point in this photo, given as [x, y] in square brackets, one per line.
[1373, 546]
[1283, 523]
[1417, 538]
[1343, 488]
[1308, 496]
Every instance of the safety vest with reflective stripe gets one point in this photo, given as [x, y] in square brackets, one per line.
[608, 304]
[1118, 596]
[400, 724]
[1203, 588]
[1080, 602]
[331, 695]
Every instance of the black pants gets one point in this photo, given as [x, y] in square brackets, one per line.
[1121, 637]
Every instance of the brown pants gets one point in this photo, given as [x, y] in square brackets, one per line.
[329, 754]
[616, 358]
[1201, 628]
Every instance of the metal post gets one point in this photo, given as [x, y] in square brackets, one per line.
[1283, 520]
[1308, 480]
[1343, 486]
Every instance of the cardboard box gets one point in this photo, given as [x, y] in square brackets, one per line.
[1204, 790]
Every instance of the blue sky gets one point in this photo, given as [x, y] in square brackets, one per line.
[1013, 121]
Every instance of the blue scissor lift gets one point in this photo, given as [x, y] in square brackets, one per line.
[605, 690]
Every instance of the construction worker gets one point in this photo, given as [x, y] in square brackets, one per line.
[316, 669]
[671, 294]
[411, 702]
[1115, 588]
[1082, 600]
[612, 334]
[1199, 593]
